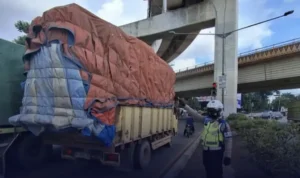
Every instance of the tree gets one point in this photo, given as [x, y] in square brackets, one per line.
[20, 40]
[265, 94]
[260, 100]
[247, 100]
[23, 27]
[284, 100]
[298, 97]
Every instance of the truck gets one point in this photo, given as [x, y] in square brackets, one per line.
[143, 124]
[138, 129]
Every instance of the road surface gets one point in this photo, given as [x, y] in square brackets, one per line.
[59, 168]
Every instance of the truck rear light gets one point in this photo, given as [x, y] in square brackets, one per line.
[114, 157]
[68, 151]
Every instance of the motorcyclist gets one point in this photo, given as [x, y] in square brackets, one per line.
[189, 122]
[215, 139]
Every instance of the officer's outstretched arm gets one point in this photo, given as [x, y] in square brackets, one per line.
[227, 139]
[194, 113]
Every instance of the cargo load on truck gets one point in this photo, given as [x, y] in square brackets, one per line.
[79, 68]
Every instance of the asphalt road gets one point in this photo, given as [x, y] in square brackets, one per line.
[59, 168]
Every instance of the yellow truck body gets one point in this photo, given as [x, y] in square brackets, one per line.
[134, 123]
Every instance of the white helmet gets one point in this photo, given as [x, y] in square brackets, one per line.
[216, 104]
[215, 108]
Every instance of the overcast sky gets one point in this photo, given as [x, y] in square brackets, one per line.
[120, 12]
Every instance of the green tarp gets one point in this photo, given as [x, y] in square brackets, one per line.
[11, 75]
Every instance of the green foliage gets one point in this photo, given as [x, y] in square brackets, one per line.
[284, 100]
[21, 26]
[259, 99]
[261, 102]
[275, 147]
[20, 40]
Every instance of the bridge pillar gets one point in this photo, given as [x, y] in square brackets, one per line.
[157, 43]
[226, 21]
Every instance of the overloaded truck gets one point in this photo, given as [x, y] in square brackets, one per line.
[88, 87]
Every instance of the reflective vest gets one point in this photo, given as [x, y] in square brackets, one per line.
[211, 136]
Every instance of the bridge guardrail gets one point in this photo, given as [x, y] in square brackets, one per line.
[195, 66]
[246, 53]
[266, 48]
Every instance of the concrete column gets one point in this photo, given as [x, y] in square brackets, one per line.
[231, 62]
[156, 44]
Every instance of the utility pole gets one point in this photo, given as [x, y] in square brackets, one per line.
[223, 36]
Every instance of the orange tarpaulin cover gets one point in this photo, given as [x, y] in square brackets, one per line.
[117, 68]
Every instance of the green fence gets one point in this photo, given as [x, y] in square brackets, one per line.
[11, 75]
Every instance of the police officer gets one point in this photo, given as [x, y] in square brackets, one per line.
[216, 138]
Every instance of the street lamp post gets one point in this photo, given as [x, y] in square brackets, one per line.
[225, 35]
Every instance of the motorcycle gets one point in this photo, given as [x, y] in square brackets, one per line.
[188, 131]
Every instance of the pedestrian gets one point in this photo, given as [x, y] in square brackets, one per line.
[216, 138]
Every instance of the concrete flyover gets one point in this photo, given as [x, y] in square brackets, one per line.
[188, 16]
[268, 68]
[192, 18]
[171, 46]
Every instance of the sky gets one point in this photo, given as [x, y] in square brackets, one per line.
[120, 12]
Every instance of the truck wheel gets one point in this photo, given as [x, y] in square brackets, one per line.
[142, 155]
[32, 152]
[169, 145]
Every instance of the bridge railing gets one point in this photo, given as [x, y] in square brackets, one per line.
[193, 67]
[246, 53]
[267, 48]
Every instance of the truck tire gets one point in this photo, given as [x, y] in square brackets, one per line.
[31, 151]
[142, 155]
[169, 145]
